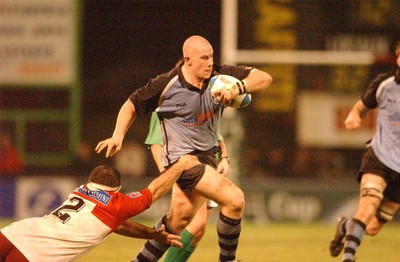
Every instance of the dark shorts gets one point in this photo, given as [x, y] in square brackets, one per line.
[372, 165]
[189, 179]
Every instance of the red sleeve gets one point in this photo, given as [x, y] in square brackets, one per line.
[135, 203]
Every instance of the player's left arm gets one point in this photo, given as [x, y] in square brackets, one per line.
[133, 229]
[224, 163]
[257, 80]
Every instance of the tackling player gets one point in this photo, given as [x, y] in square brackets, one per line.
[91, 213]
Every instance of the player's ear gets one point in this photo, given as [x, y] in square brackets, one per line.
[187, 60]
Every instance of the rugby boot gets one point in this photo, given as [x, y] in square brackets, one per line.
[337, 243]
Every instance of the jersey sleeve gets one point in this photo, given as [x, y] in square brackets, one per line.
[369, 98]
[154, 135]
[145, 99]
[135, 203]
[239, 72]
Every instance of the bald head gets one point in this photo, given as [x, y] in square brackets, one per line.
[194, 44]
[198, 57]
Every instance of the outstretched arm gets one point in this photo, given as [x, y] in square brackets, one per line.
[165, 181]
[133, 229]
[125, 118]
[353, 120]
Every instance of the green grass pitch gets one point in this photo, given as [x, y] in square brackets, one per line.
[273, 242]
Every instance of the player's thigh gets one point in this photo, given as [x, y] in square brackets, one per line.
[200, 218]
[220, 189]
[376, 181]
[184, 205]
[186, 200]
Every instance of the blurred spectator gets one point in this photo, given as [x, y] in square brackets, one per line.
[132, 159]
[275, 162]
[303, 163]
[10, 159]
[83, 162]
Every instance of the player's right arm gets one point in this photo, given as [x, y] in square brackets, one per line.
[163, 183]
[353, 120]
[126, 116]
[133, 229]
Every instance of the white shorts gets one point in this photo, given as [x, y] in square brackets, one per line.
[211, 203]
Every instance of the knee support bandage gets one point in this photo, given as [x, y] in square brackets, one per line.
[385, 213]
[371, 189]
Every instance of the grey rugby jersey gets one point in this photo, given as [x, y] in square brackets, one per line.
[189, 118]
[384, 94]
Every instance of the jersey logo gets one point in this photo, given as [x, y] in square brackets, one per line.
[134, 194]
[101, 196]
[198, 119]
[180, 105]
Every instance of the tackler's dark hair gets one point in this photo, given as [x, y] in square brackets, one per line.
[105, 175]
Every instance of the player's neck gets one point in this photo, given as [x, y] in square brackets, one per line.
[194, 81]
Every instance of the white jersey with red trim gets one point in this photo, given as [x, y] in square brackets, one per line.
[77, 226]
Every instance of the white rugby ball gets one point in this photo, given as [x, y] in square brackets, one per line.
[218, 82]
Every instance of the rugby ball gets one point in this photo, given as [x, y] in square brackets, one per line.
[218, 82]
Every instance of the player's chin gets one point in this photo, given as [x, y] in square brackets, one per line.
[207, 74]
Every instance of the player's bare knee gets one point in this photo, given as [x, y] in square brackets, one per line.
[374, 227]
[371, 232]
[200, 232]
[370, 189]
[182, 223]
[237, 201]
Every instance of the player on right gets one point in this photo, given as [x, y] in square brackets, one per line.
[379, 174]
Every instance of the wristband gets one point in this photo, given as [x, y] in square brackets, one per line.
[244, 82]
[227, 158]
[242, 87]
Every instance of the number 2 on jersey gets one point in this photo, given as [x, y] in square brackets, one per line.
[76, 205]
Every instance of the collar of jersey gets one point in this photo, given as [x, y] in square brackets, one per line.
[188, 85]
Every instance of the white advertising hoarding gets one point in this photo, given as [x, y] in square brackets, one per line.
[38, 41]
[40, 195]
[320, 121]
